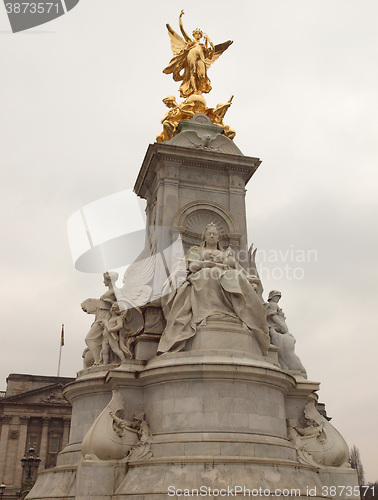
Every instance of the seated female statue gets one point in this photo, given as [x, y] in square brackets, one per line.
[216, 286]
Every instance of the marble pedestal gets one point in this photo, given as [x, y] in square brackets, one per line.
[218, 420]
[218, 411]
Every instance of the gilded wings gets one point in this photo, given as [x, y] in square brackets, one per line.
[178, 45]
[192, 57]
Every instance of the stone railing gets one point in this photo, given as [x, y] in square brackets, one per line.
[2, 394]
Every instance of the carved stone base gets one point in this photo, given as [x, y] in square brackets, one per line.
[226, 334]
[95, 480]
[145, 346]
[217, 475]
[59, 482]
[217, 419]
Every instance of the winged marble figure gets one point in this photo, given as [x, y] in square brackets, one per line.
[192, 58]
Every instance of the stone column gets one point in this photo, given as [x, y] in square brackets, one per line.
[66, 431]
[6, 420]
[24, 420]
[237, 192]
[44, 442]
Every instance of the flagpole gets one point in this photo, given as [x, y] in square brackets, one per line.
[60, 349]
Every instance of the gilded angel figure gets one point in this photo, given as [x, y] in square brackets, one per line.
[192, 59]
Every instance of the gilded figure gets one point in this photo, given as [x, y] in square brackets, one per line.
[171, 119]
[192, 57]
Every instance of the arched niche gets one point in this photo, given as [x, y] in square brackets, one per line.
[192, 219]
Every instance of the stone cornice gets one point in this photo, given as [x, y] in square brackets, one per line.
[187, 157]
[24, 397]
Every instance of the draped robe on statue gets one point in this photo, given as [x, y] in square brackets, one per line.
[211, 292]
[191, 62]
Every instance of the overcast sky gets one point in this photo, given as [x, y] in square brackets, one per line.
[81, 102]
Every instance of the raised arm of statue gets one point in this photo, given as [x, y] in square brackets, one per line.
[210, 49]
[192, 58]
[217, 114]
[221, 109]
[184, 33]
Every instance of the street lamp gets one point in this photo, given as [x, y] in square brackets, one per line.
[30, 463]
[2, 488]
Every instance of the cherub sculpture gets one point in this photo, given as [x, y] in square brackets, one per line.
[111, 338]
[114, 329]
[192, 59]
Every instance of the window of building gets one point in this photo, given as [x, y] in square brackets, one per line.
[54, 444]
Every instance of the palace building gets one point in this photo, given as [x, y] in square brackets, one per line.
[33, 414]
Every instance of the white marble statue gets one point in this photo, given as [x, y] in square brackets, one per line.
[101, 309]
[112, 437]
[141, 450]
[318, 442]
[117, 322]
[216, 286]
[280, 335]
[295, 437]
[111, 336]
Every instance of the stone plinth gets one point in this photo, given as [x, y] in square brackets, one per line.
[230, 336]
[145, 346]
[218, 418]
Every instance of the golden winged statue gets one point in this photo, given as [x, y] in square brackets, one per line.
[191, 59]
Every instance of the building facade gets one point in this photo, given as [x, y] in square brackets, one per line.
[33, 414]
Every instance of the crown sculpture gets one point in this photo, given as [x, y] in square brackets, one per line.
[191, 60]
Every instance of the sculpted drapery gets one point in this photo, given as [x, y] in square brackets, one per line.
[101, 308]
[192, 58]
[217, 287]
[280, 335]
